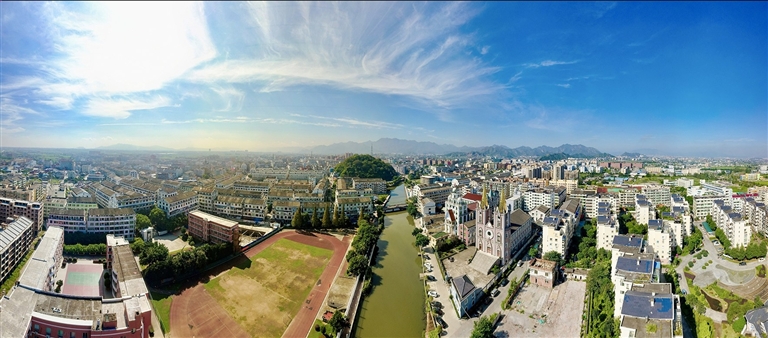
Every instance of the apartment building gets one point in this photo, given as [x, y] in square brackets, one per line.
[733, 224]
[756, 214]
[590, 201]
[661, 239]
[702, 205]
[352, 206]
[716, 188]
[651, 310]
[607, 226]
[84, 203]
[629, 271]
[15, 238]
[557, 231]
[53, 203]
[42, 268]
[550, 197]
[178, 204]
[31, 210]
[379, 186]
[436, 192]
[644, 210]
[120, 222]
[656, 194]
[256, 186]
[284, 210]
[210, 228]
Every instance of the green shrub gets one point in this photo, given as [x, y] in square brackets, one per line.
[739, 324]
[690, 264]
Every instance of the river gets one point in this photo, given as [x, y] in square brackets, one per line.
[397, 196]
[396, 306]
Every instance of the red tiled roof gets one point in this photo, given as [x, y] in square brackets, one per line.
[453, 218]
[474, 197]
[472, 206]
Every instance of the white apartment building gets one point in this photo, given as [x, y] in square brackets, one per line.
[436, 192]
[732, 223]
[607, 227]
[661, 239]
[631, 271]
[656, 194]
[716, 188]
[178, 204]
[550, 197]
[15, 239]
[558, 227]
[120, 222]
[256, 186]
[378, 185]
[756, 214]
[570, 185]
[644, 210]
[702, 205]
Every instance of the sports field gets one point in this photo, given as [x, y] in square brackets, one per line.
[263, 294]
[83, 280]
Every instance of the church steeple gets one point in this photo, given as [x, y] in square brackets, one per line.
[484, 200]
[503, 200]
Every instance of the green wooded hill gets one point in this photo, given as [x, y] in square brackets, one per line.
[365, 166]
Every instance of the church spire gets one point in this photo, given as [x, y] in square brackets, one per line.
[503, 200]
[484, 201]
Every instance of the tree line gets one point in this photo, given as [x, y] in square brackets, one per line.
[365, 240]
[86, 250]
[163, 266]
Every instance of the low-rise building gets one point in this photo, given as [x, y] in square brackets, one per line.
[178, 204]
[214, 229]
[543, 272]
[378, 185]
[757, 322]
[120, 222]
[651, 310]
[464, 294]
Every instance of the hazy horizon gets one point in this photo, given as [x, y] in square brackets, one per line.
[681, 79]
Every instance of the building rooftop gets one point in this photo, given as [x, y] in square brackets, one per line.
[759, 318]
[463, 286]
[211, 218]
[640, 325]
[648, 304]
[181, 197]
[628, 243]
[543, 264]
[13, 231]
[519, 217]
[111, 212]
[42, 259]
[571, 205]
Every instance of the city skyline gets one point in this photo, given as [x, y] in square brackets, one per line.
[679, 78]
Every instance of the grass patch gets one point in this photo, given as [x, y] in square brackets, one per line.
[439, 234]
[162, 305]
[319, 334]
[265, 292]
[760, 271]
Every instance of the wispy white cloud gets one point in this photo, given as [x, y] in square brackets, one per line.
[233, 98]
[485, 50]
[564, 85]
[352, 122]
[549, 63]
[120, 108]
[415, 51]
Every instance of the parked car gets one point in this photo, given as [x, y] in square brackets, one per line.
[504, 282]
[441, 322]
[431, 278]
[433, 294]
[520, 263]
[439, 312]
[495, 292]
[451, 259]
[437, 305]
[761, 259]
[742, 263]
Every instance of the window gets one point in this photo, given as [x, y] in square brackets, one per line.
[61, 333]
[37, 328]
[48, 331]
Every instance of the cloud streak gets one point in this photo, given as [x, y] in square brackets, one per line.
[549, 63]
[415, 51]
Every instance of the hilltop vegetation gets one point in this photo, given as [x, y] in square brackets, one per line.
[365, 166]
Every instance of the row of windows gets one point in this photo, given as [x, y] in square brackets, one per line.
[36, 329]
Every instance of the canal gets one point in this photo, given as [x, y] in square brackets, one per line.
[396, 306]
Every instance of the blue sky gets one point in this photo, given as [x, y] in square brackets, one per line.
[661, 78]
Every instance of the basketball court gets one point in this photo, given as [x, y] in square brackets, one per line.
[83, 280]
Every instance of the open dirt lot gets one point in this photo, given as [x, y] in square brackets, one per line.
[540, 312]
[172, 241]
[264, 293]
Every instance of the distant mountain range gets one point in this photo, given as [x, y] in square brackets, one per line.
[408, 147]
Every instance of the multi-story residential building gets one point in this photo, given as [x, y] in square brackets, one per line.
[656, 194]
[15, 239]
[378, 185]
[254, 209]
[550, 197]
[570, 185]
[283, 210]
[607, 227]
[178, 204]
[539, 214]
[84, 203]
[436, 192]
[651, 310]
[31, 210]
[120, 222]
[205, 198]
[590, 200]
[556, 233]
[644, 210]
[716, 188]
[756, 214]
[352, 206]
[629, 271]
[733, 224]
[53, 203]
[32, 310]
[457, 210]
[661, 239]
[210, 228]
[257, 186]
[702, 205]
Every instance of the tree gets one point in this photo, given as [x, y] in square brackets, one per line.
[421, 240]
[336, 219]
[315, 219]
[327, 216]
[337, 322]
[365, 166]
[415, 231]
[357, 265]
[533, 252]
[137, 246]
[483, 328]
[553, 256]
[142, 222]
[157, 217]
[297, 222]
